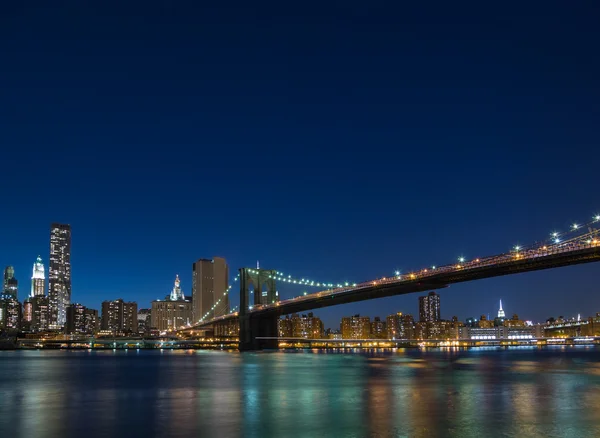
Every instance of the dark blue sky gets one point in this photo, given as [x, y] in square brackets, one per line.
[336, 141]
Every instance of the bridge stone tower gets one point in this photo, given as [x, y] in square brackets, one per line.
[263, 281]
[253, 326]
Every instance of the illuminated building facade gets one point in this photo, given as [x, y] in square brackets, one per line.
[173, 312]
[81, 320]
[38, 279]
[170, 315]
[284, 326]
[378, 329]
[10, 284]
[400, 326]
[209, 284]
[501, 311]
[59, 274]
[10, 313]
[356, 327]
[119, 317]
[307, 326]
[499, 333]
[429, 307]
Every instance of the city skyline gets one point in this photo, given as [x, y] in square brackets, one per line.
[344, 146]
[428, 304]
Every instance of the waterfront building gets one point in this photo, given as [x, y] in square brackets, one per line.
[429, 307]
[498, 333]
[307, 326]
[356, 327]
[119, 317]
[284, 327]
[378, 329]
[59, 274]
[81, 320]
[209, 285]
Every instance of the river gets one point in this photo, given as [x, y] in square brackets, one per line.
[479, 392]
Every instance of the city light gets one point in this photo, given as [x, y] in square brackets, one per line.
[522, 253]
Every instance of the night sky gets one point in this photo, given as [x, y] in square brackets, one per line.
[330, 140]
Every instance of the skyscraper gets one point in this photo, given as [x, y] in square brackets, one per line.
[501, 311]
[59, 274]
[429, 308]
[38, 279]
[10, 284]
[209, 284]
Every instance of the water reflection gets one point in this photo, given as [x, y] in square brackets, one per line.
[479, 392]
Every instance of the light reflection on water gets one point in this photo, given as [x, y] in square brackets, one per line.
[477, 392]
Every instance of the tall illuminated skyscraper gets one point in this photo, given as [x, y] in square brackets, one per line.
[38, 279]
[209, 284]
[10, 284]
[501, 311]
[59, 274]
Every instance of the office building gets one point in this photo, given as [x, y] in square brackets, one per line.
[59, 274]
[209, 285]
[38, 279]
[170, 315]
[10, 284]
[119, 317]
[429, 307]
[356, 327]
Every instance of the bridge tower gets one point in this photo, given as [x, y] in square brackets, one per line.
[253, 326]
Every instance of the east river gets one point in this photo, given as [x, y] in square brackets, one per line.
[479, 392]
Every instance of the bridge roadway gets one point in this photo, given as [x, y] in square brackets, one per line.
[583, 249]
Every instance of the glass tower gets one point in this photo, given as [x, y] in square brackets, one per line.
[59, 274]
